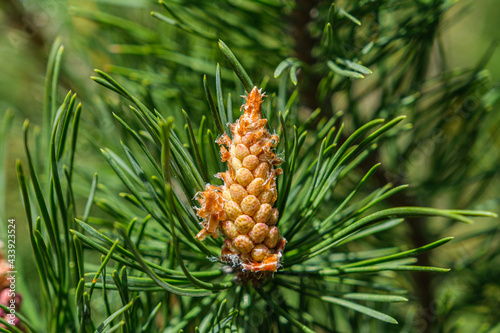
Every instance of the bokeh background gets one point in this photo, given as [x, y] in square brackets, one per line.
[465, 300]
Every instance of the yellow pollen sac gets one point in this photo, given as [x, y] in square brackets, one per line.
[266, 197]
[229, 229]
[256, 186]
[229, 244]
[250, 205]
[256, 149]
[244, 176]
[261, 171]
[259, 252]
[238, 192]
[235, 163]
[226, 194]
[259, 232]
[232, 210]
[243, 243]
[263, 214]
[244, 211]
[241, 151]
[272, 237]
[244, 224]
[250, 162]
[274, 217]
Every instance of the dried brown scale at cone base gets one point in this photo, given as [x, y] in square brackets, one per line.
[242, 208]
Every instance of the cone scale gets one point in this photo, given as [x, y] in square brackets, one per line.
[242, 209]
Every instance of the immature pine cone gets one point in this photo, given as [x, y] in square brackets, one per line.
[8, 297]
[243, 207]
